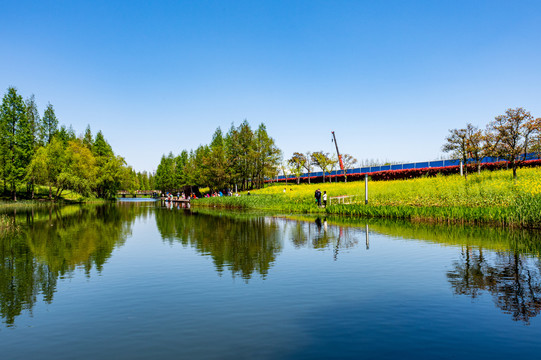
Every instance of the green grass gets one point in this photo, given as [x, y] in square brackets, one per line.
[486, 198]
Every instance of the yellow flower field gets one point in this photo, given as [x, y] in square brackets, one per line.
[495, 188]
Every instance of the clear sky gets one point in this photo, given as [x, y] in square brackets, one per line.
[389, 77]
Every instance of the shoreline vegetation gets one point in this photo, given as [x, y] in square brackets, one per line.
[491, 198]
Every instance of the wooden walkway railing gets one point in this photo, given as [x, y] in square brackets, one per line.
[344, 199]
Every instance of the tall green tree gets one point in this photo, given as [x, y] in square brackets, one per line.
[15, 140]
[49, 124]
[267, 156]
[165, 173]
[34, 123]
[215, 162]
[87, 138]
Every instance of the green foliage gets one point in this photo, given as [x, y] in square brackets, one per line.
[242, 157]
[323, 161]
[16, 140]
[49, 126]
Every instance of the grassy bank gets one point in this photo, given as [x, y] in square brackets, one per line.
[41, 196]
[488, 198]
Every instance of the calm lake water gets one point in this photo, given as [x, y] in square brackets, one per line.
[134, 280]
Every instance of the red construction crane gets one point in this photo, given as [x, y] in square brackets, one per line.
[338, 152]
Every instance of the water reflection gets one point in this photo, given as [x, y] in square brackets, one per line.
[503, 263]
[318, 234]
[512, 279]
[243, 244]
[55, 241]
[51, 244]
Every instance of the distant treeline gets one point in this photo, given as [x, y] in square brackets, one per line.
[242, 158]
[35, 151]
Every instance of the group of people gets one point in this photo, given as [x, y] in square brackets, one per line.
[319, 196]
[219, 193]
[170, 197]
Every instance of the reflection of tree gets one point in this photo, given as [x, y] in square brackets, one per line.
[317, 234]
[513, 280]
[21, 278]
[298, 234]
[241, 244]
[53, 242]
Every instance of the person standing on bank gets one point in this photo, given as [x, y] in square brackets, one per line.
[324, 198]
[318, 197]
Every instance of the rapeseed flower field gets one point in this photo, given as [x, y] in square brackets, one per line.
[491, 196]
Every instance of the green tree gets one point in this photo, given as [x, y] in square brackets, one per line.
[111, 175]
[16, 140]
[215, 162]
[323, 161]
[34, 123]
[34, 120]
[296, 164]
[79, 172]
[267, 156]
[47, 165]
[165, 173]
[49, 126]
[87, 138]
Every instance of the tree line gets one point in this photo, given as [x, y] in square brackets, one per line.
[510, 136]
[327, 163]
[36, 151]
[241, 158]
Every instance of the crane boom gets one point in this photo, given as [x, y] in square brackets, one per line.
[338, 152]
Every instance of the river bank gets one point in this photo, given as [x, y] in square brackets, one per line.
[493, 198]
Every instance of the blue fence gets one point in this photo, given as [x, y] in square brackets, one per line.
[418, 165]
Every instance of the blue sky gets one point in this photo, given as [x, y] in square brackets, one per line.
[389, 77]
